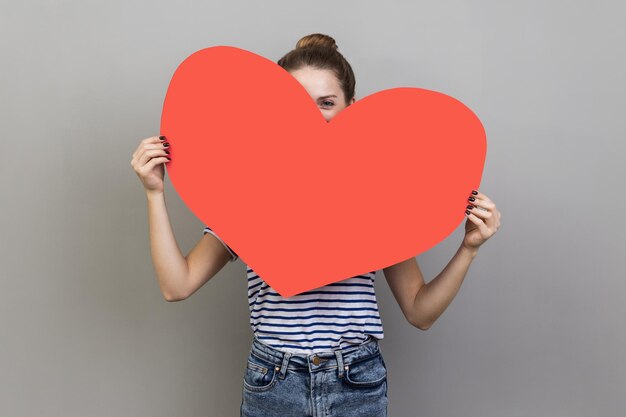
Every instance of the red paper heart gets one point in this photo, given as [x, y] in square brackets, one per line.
[304, 202]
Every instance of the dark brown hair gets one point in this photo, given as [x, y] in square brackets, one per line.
[320, 51]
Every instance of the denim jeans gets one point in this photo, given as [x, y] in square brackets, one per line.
[343, 383]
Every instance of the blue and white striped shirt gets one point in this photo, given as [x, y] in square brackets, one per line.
[335, 316]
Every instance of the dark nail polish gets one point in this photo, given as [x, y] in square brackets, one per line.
[166, 144]
[169, 159]
[162, 137]
[474, 192]
[467, 212]
[167, 152]
[470, 207]
[472, 199]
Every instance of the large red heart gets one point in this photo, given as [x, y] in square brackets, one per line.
[304, 202]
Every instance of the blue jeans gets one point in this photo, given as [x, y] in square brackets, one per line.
[342, 383]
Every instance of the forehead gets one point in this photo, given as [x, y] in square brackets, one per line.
[318, 82]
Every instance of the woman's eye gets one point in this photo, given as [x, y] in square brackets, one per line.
[327, 103]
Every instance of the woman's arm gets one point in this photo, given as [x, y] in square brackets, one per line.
[421, 303]
[434, 297]
[180, 276]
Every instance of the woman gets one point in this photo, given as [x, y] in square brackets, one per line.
[315, 353]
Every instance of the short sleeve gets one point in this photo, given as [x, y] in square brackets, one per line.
[233, 255]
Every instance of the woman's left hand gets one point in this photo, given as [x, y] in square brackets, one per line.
[482, 222]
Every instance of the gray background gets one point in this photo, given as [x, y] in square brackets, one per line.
[537, 327]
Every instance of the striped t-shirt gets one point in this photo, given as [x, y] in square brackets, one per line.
[335, 316]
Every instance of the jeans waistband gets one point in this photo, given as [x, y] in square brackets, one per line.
[339, 358]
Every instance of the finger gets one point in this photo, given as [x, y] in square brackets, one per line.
[153, 162]
[146, 141]
[482, 203]
[478, 222]
[145, 152]
[151, 154]
[149, 151]
[480, 212]
[479, 195]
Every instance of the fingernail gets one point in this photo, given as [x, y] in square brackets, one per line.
[472, 199]
[162, 137]
[167, 152]
[166, 144]
[467, 212]
[470, 206]
[474, 192]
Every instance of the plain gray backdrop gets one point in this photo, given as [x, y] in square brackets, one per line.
[537, 328]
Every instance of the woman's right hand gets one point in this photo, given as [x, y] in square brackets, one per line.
[148, 160]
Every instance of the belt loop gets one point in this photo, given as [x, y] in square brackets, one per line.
[283, 368]
[339, 363]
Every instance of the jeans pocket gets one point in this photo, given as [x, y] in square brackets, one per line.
[260, 375]
[369, 372]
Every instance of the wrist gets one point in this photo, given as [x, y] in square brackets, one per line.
[154, 195]
[468, 250]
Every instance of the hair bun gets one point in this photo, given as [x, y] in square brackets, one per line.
[317, 39]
